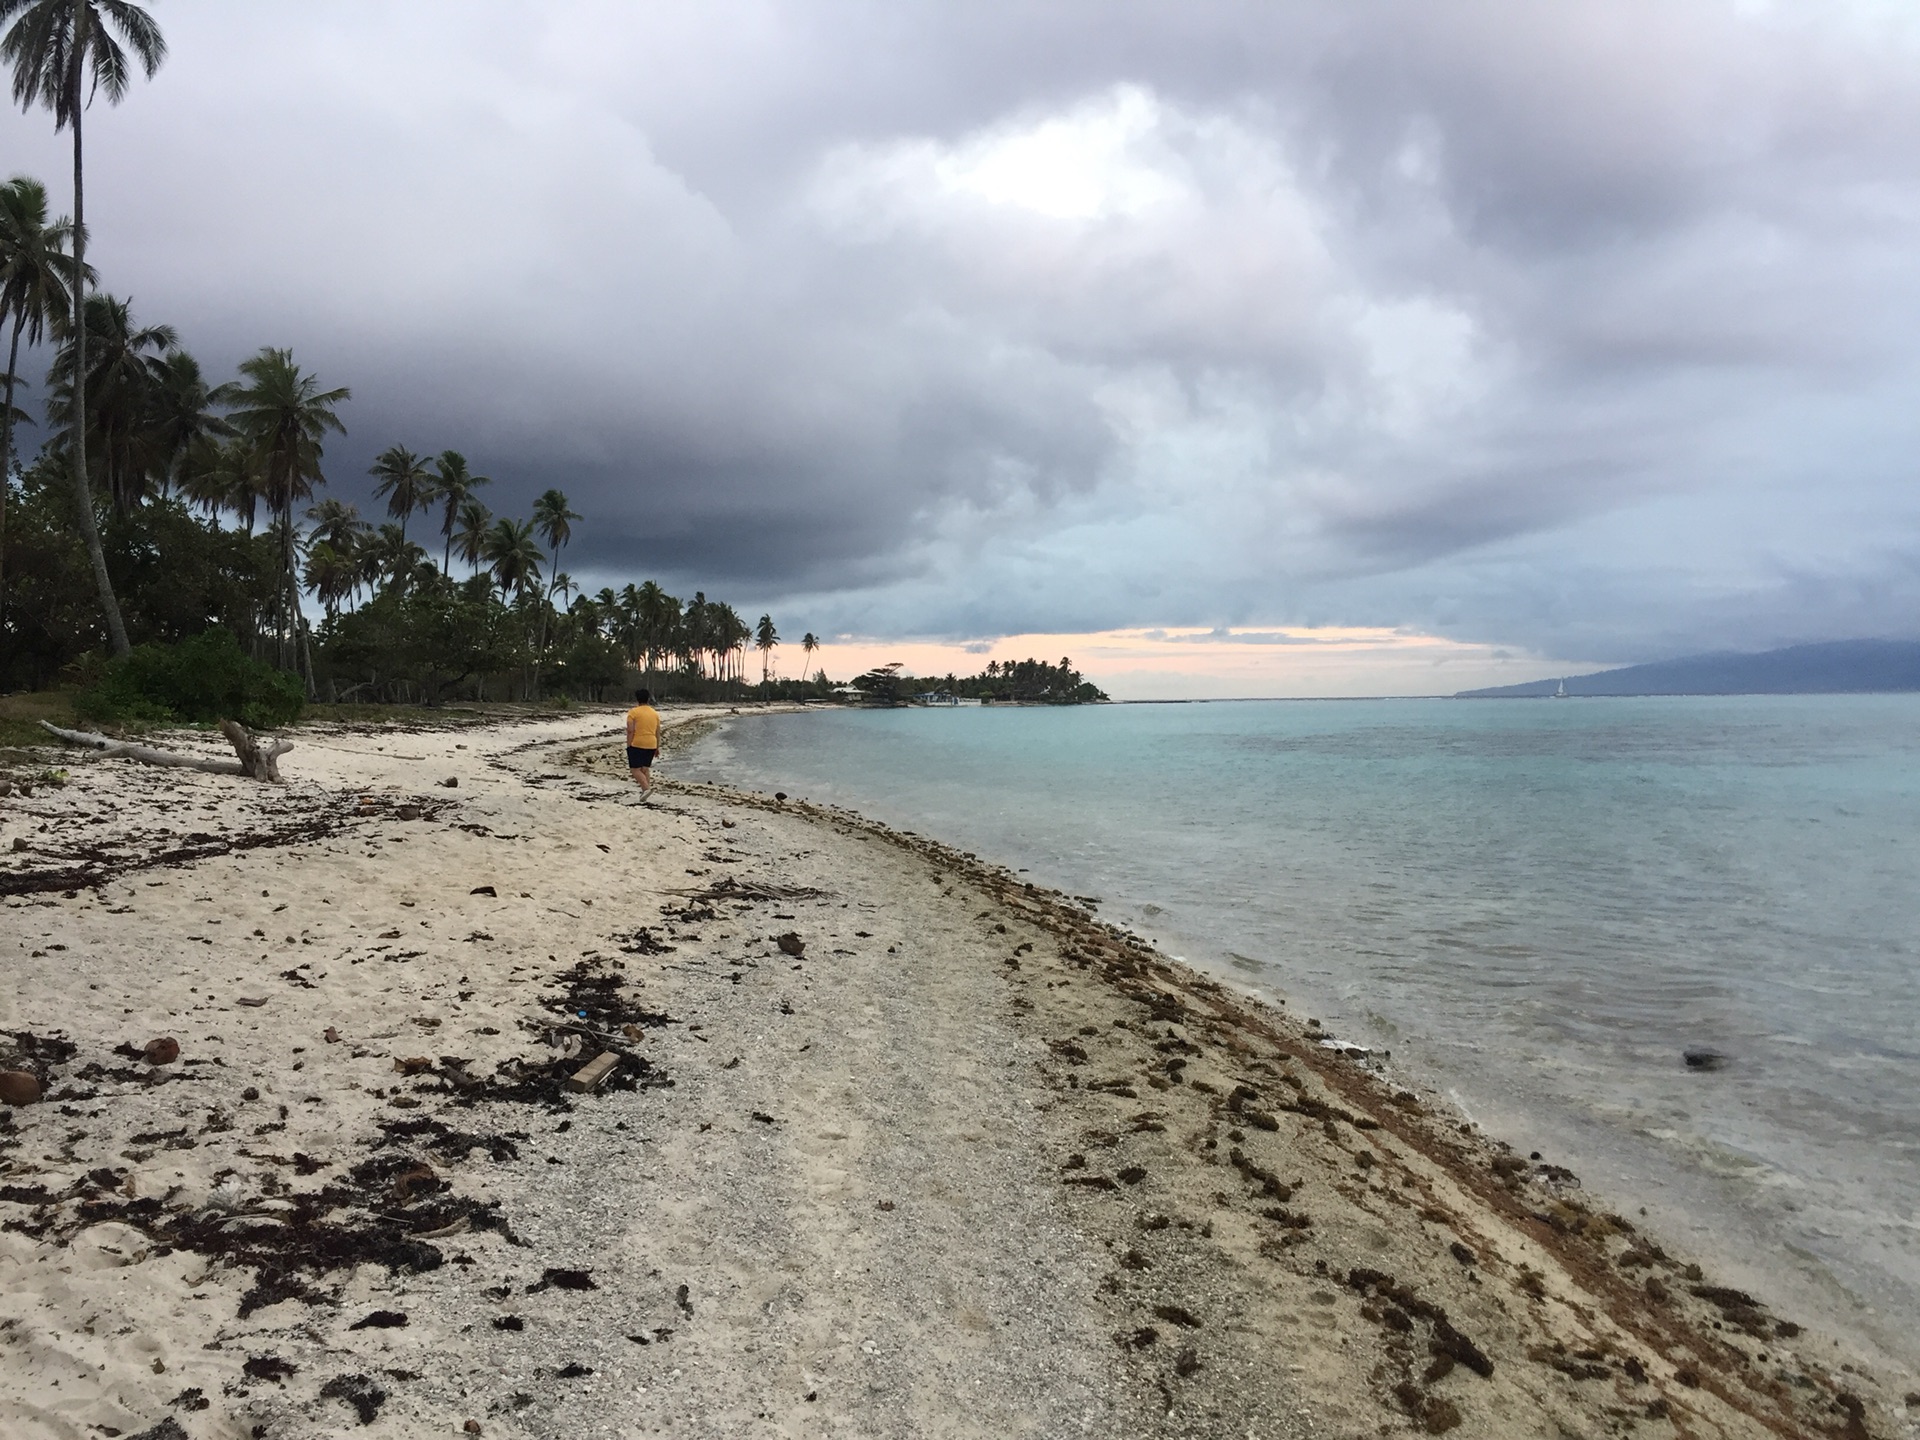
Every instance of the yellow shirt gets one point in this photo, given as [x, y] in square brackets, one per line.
[643, 728]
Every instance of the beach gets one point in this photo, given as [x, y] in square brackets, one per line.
[892, 1143]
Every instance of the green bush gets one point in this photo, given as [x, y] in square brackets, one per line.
[206, 678]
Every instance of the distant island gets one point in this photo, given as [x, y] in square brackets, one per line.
[1839, 667]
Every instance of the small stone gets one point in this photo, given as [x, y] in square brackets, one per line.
[163, 1051]
[791, 944]
[452, 782]
[18, 1087]
[332, 1036]
[19, 843]
[472, 1427]
[1701, 1058]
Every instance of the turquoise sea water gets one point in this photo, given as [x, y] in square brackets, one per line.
[1536, 905]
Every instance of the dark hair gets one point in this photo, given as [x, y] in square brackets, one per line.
[642, 695]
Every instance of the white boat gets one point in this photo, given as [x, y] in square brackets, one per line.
[1561, 693]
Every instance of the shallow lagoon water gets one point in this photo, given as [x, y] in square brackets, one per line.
[1535, 905]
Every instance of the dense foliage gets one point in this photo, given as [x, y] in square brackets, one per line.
[1023, 682]
[206, 678]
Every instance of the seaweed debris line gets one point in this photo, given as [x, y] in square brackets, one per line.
[512, 1109]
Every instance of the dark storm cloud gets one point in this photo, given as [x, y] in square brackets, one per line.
[1585, 327]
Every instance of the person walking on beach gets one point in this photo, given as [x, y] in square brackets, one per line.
[643, 741]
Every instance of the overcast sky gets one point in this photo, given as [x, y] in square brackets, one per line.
[1573, 332]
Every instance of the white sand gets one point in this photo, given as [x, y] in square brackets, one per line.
[835, 1204]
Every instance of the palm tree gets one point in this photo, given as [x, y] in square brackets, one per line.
[331, 574]
[809, 643]
[120, 400]
[765, 637]
[35, 275]
[657, 619]
[389, 555]
[453, 486]
[183, 425]
[283, 417]
[470, 538]
[338, 524]
[405, 483]
[553, 518]
[513, 556]
[225, 477]
[62, 53]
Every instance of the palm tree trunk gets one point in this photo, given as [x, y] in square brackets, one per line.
[82, 490]
[6, 453]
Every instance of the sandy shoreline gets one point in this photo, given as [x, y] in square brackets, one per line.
[969, 1163]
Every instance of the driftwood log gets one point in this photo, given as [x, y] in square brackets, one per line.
[252, 762]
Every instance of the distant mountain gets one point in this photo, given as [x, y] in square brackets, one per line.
[1840, 667]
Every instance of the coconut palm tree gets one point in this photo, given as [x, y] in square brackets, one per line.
[657, 619]
[765, 637]
[338, 524]
[470, 536]
[35, 294]
[226, 477]
[514, 557]
[120, 399]
[62, 53]
[283, 417]
[392, 557]
[404, 482]
[331, 574]
[809, 643]
[453, 486]
[184, 424]
[553, 517]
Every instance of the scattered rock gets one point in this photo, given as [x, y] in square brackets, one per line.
[791, 944]
[779, 794]
[18, 1087]
[19, 845]
[252, 1002]
[452, 782]
[1187, 1363]
[163, 1051]
[484, 890]
[381, 1320]
[1701, 1058]
[332, 1036]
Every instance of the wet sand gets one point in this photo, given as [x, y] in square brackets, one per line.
[893, 1144]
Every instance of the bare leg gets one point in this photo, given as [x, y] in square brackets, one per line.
[644, 779]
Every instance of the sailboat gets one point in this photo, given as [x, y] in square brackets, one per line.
[1561, 693]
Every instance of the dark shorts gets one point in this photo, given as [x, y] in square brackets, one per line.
[640, 759]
